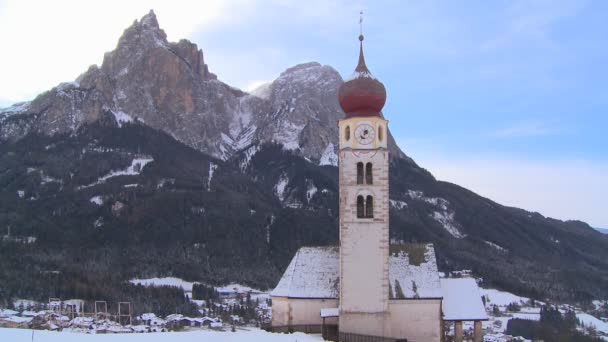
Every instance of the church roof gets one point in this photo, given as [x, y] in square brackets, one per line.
[462, 300]
[412, 271]
[314, 273]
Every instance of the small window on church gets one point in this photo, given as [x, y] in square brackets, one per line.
[369, 178]
[369, 207]
[360, 207]
[380, 133]
[359, 173]
[347, 133]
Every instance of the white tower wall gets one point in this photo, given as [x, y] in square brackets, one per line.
[364, 242]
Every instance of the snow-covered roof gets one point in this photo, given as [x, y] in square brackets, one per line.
[83, 321]
[462, 300]
[17, 319]
[174, 317]
[7, 312]
[147, 316]
[314, 273]
[412, 271]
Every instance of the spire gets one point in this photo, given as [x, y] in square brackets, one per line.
[362, 94]
[361, 67]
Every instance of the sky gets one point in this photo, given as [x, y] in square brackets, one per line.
[507, 98]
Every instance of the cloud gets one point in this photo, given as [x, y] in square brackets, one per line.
[49, 42]
[528, 128]
[532, 22]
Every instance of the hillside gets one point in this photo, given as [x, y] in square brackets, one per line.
[149, 166]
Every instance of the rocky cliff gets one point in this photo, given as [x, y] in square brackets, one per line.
[169, 87]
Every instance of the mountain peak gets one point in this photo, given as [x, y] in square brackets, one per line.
[142, 33]
[302, 66]
[149, 20]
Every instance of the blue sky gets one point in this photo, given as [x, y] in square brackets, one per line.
[507, 98]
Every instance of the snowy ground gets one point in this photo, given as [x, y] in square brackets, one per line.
[241, 335]
[503, 299]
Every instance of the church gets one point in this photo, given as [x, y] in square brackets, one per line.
[367, 289]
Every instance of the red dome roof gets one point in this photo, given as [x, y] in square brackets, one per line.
[362, 94]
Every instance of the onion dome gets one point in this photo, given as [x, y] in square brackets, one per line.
[362, 94]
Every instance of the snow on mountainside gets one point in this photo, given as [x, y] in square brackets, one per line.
[267, 200]
[168, 86]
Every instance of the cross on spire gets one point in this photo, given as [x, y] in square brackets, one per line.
[361, 23]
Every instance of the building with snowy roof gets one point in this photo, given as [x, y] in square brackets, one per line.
[368, 289]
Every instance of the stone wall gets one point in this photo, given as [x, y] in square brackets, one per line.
[300, 312]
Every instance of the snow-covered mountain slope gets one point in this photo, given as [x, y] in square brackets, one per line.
[151, 99]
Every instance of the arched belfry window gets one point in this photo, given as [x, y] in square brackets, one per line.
[347, 133]
[380, 133]
[369, 178]
[369, 207]
[359, 173]
[360, 207]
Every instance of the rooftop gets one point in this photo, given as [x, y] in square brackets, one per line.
[462, 300]
[314, 273]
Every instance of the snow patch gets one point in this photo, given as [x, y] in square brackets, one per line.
[248, 155]
[501, 298]
[96, 200]
[136, 167]
[446, 219]
[288, 135]
[121, 117]
[98, 223]
[443, 215]
[166, 281]
[44, 179]
[20, 193]
[398, 204]
[212, 168]
[589, 321]
[360, 74]
[492, 244]
[279, 188]
[329, 156]
[311, 190]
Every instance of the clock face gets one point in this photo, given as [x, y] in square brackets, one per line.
[364, 133]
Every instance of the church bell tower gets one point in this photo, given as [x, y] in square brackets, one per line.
[364, 204]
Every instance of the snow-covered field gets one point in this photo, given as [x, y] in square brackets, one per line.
[166, 281]
[187, 285]
[241, 335]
